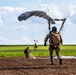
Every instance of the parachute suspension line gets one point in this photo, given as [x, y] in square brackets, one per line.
[66, 14]
[42, 1]
[51, 4]
[49, 25]
[74, 9]
[75, 6]
[48, 5]
[38, 5]
[62, 24]
[66, 8]
[69, 12]
[63, 21]
[44, 4]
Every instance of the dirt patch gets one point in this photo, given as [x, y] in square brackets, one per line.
[23, 66]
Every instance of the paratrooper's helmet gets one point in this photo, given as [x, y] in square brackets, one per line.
[54, 29]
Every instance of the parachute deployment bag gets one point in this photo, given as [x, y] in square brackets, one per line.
[55, 39]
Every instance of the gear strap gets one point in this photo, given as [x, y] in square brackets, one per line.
[62, 24]
[63, 21]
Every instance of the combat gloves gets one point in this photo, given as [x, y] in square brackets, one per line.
[45, 44]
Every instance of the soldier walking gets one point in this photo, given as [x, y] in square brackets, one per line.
[55, 40]
[26, 52]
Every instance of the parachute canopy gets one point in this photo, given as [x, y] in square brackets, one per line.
[29, 14]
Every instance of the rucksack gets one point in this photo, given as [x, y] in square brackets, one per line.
[55, 39]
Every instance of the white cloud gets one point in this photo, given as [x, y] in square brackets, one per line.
[52, 10]
[2, 39]
[1, 23]
[25, 39]
[20, 28]
[7, 9]
[8, 41]
[71, 9]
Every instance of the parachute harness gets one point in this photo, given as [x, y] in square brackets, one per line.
[63, 21]
[62, 24]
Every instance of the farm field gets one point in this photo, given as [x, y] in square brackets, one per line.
[23, 66]
[18, 50]
[13, 61]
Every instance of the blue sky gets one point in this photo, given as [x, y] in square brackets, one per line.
[14, 32]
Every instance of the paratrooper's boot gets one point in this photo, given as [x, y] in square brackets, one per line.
[60, 62]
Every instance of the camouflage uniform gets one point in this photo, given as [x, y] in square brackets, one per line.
[26, 52]
[52, 47]
[35, 47]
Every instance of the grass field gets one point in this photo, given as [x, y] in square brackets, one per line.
[18, 50]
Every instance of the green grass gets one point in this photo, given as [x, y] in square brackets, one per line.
[18, 50]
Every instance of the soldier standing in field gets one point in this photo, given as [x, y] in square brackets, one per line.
[35, 47]
[26, 52]
[55, 40]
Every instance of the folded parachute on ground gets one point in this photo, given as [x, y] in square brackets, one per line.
[29, 14]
